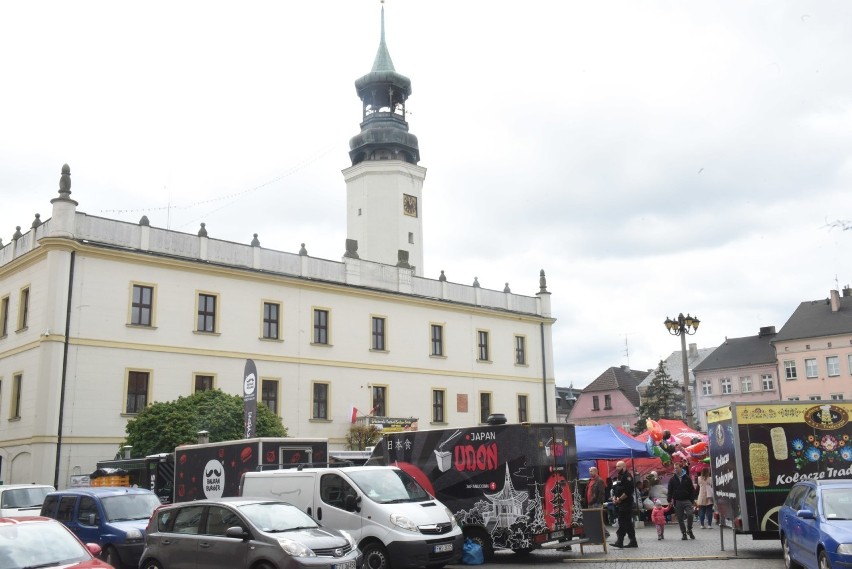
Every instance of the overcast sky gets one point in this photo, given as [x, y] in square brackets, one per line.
[651, 157]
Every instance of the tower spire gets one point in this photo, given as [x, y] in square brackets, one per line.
[383, 61]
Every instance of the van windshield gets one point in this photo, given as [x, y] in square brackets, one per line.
[130, 507]
[24, 497]
[389, 486]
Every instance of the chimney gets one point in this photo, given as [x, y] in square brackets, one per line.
[127, 450]
[693, 351]
[835, 301]
[203, 437]
[847, 291]
[766, 331]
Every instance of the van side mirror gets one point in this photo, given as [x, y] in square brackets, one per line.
[350, 503]
[90, 519]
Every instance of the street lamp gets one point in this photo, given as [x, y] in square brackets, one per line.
[681, 327]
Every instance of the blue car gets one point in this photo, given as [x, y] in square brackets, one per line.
[815, 525]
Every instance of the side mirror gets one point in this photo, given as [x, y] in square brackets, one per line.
[90, 519]
[805, 514]
[350, 503]
[237, 532]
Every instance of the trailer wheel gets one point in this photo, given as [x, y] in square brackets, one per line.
[483, 538]
[788, 559]
[375, 556]
[770, 520]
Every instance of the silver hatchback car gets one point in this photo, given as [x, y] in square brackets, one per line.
[238, 533]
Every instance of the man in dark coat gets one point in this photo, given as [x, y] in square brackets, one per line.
[682, 494]
[623, 496]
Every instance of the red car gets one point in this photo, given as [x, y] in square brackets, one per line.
[33, 541]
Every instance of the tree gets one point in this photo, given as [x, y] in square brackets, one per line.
[160, 427]
[359, 437]
[663, 399]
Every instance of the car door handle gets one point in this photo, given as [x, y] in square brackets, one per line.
[204, 544]
[167, 542]
[319, 513]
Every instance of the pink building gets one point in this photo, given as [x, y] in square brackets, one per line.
[611, 398]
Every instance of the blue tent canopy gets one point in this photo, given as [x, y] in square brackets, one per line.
[599, 442]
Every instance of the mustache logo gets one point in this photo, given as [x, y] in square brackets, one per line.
[213, 471]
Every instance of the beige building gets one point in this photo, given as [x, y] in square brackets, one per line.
[100, 317]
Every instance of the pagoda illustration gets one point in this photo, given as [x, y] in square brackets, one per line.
[507, 505]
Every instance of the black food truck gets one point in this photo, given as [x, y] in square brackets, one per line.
[214, 470]
[509, 486]
[759, 450]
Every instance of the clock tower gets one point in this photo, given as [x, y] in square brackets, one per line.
[384, 206]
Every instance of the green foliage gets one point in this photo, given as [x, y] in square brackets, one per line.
[161, 427]
[663, 399]
[359, 437]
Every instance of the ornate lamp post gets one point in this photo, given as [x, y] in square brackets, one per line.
[681, 327]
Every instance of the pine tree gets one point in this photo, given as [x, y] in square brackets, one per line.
[663, 399]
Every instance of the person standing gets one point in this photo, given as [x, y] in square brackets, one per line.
[682, 494]
[623, 495]
[658, 516]
[705, 498]
[596, 490]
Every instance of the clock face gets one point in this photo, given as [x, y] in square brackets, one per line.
[409, 205]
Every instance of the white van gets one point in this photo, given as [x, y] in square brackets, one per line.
[395, 522]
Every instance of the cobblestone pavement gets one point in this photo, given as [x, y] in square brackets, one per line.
[705, 549]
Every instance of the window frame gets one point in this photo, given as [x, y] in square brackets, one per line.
[4, 316]
[832, 366]
[203, 376]
[596, 403]
[439, 406]
[320, 331]
[809, 368]
[790, 371]
[127, 392]
[270, 327]
[436, 343]
[767, 377]
[485, 410]
[520, 350]
[726, 386]
[137, 308]
[264, 381]
[23, 308]
[379, 409]
[206, 313]
[523, 401]
[17, 396]
[745, 384]
[320, 405]
[378, 333]
[483, 351]
[607, 402]
[706, 387]
[836, 397]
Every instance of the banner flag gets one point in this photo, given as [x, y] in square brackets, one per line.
[250, 399]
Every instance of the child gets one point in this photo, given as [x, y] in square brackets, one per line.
[658, 516]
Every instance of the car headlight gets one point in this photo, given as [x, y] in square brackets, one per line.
[348, 538]
[403, 522]
[845, 549]
[295, 548]
[452, 517]
[134, 534]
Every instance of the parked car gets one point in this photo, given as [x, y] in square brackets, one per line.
[815, 524]
[237, 533]
[113, 517]
[32, 541]
[22, 499]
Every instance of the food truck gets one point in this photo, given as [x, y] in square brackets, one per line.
[759, 450]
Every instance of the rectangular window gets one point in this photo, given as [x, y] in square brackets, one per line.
[520, 350]
[482, 345]
[141, 305]
[745, 384]
[596, 403]
[706, 387]
[726, 385]
[17, 389]
[380, 408]
[768, 383]
[439, 397]
[811, 370]
[269, 394]
[437, 340]
[522, 408]
[137, 391]
[24, 313]
[203, 383]
[832, 366]
[790, 369]
[271, 320]
[814, 398]
[206, 313]
[320, 326]
[4, 317]
[837, 397]
[378, 333]
[484, 407]
[320, 405]
[792, 399]
[607, 402]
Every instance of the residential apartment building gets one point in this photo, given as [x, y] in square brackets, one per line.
[741, 370]
[101, 317]
[611, 398]
[814, 350]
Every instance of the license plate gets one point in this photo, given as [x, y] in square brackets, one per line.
[557, 534]
[443, 548]
[345, 565]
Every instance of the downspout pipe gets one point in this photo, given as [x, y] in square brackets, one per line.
[64, 370]
[543, 371]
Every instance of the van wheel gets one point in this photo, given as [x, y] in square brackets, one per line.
[483, 538]
[375, 556]
[150, 564]
[110, 555]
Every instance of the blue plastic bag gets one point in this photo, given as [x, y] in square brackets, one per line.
[472, 553]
